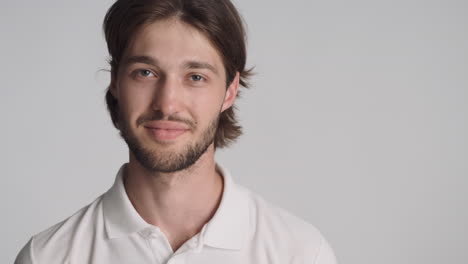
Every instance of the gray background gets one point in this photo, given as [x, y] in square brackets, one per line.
[357, 121]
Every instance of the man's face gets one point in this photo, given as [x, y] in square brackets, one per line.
[171, 89]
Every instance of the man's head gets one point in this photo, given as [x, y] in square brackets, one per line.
[175, 71]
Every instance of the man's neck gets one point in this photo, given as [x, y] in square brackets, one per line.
[179, 203]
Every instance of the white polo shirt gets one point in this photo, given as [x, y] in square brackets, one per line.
[245, 229]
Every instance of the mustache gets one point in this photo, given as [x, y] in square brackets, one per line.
[160, 116]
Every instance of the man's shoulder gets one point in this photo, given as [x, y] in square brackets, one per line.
[284, 230]
[268, 214]
[55, 241]
[84, 218]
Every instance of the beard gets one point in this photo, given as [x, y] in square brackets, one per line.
[168, 161]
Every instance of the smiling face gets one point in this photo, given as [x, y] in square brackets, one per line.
[170, 89]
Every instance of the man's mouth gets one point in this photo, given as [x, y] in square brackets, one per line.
[166, 130]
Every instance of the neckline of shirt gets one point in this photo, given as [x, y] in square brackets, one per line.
[227, 228]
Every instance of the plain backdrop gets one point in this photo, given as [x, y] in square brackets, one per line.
[357, 121]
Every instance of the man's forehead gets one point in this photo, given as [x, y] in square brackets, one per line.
[171, 41]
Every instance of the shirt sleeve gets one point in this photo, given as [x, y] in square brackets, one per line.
[25, 256]
[325, 254]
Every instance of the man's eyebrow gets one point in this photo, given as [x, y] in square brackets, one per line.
[200, 65]
[140, 59]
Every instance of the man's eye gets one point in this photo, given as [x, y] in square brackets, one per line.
[196, 77]
[144, 73]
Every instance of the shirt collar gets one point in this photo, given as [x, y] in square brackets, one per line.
[120, 217]
[226, 229]
[229, 225]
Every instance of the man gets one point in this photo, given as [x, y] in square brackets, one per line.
[176, 67]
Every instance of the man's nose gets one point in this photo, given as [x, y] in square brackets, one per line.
[166, 97]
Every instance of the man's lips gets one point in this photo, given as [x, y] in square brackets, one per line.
[166, 125]
[166, 130]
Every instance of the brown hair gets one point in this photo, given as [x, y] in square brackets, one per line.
[218, 20]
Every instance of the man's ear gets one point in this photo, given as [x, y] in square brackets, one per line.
[231, 93]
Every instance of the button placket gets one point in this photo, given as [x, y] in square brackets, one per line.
[158, 244]
[194, 244]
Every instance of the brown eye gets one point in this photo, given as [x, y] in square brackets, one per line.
[144, 73]
[196, 77]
